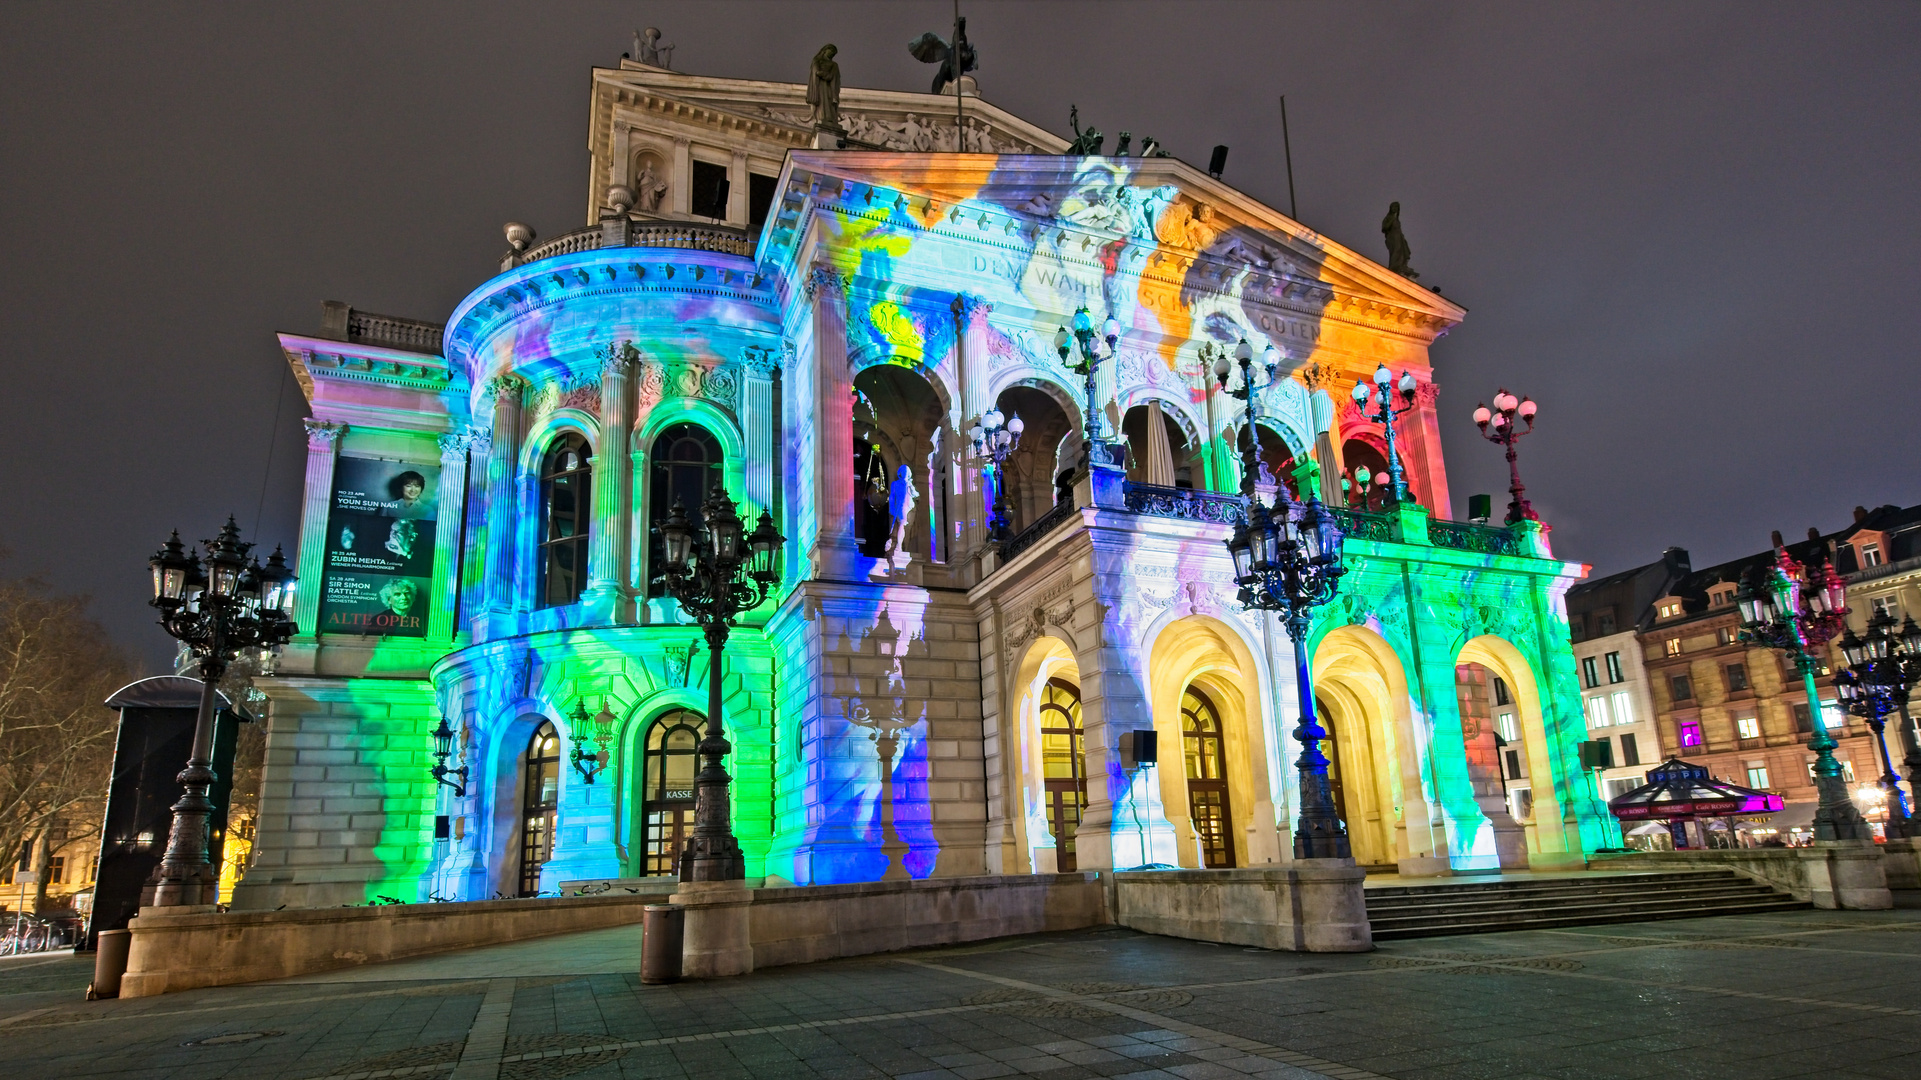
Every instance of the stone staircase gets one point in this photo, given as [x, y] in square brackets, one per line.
[1468, 907]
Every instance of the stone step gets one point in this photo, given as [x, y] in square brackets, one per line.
[1495, 903]
[1634, 882]
[1623, 913]
[1564, 902]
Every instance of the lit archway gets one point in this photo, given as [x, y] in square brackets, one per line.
[1046, 696]
[1198, 654]
[1363, 686]
[1552, 839]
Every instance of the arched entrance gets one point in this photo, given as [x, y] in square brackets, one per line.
[1035, 466]
[539, 804]
[1063, 767]
[898, 424]
[1552, 840]
[667, 792]
[1204, 755]
[1361, 691]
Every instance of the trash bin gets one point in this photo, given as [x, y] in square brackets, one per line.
[661, 928]
[110, 962]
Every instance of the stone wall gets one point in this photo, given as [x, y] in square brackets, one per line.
[1312, 905]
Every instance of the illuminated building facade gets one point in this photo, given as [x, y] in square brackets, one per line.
[817, 333]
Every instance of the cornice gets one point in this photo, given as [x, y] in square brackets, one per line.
[316, 359]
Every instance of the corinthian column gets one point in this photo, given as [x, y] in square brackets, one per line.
[976, 398]
[323, 445]
[441, 616]
[502, 488]
[608, 596]
[833, 554]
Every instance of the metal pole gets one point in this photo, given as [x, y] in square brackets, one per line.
[1835, 817]
[1319, 833]
[712, 852]
[185, 877]
[1912, 747]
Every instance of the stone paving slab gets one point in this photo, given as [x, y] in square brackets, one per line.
[1827, 994]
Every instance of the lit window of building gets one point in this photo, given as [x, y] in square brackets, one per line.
[1622, 704]
[1691, 733]
[1757, 774]
[1614, 668]
[1597, 711]
[1668, 609]
[1673, 646]
[1748, 727]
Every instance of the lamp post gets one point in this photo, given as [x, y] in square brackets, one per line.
[1376, 403]
[1498, 427]
[1250, 400]
[1882, 668]
[1289, 561]
[995, 439]
[444, 749]
[596, 730]
[1797, 609]
[716, 573]
[219, 609]
[1081, 353]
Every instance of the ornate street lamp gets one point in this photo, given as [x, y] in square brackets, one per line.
[1882, 668]
[444, 749]
[716, 573]
[1498, 427]
[1376, 403]
[1289, 561]
[1797, 609]
[596, 730]
[1082, 355]
[220, 608]
[1250, 399]
[995, 440]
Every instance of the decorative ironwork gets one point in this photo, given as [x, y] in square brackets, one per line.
[1184, 503]
[1362, 525]
[1480, 539]
[1042, 525]
[1882, 670]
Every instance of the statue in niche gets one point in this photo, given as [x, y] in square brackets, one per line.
[823, 89]
[1397, 250]
[648, 188]
[902, 497]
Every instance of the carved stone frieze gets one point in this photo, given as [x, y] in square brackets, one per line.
[582, 394]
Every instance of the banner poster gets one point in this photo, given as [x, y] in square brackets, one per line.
[380, 548]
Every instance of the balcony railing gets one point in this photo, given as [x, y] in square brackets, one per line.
[1480, 539]
[1363, 525]
[1184, 503]
[1040, 527]
[655, 234]
[389, 330]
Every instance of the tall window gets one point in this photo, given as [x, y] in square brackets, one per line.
[1063, 767]
[1737, 676]
[686, 464]
[1205, 753]
[1748, 727]
[1757, 774]
[566, 505]
[1682, 687]
[1597, 711]
[1690, 733]
[1501, 695]
[539, 802]
[668, 795]
[1623, 707]
[1614, 668]
[1630, 751]
[1870, 555]
[1588, 677]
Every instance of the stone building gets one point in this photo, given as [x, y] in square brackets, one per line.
[813, 320]
[1604, 616]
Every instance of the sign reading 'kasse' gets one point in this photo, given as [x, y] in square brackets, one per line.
[380, 548]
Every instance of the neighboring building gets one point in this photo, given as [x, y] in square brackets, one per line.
[1881, 556]
[815, 334]
[1741, 711]
[62, 863]
[1603, 619]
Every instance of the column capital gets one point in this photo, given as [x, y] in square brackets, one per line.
[509, 385]
[323, 432]
[761, 360]
[968, 307]
[454, 446]
[621, 360]
[823, 278]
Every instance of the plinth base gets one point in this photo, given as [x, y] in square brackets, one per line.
[718, 938]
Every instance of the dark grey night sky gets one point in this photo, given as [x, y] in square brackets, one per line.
[1690, 231]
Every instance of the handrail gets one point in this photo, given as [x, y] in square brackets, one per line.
[1188, 504]
[659, 234]
[1038, 528]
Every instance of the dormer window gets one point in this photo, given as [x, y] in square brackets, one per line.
[1722, 597]
[1667, 609]
[1870, 554]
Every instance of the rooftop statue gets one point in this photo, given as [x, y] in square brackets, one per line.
[648, 49]
[1397, 251]
[930, 49]
[823, 89]
[1086, 143]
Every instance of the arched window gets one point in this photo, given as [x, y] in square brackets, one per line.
[1205, 754]
[873, 494]
[667, 798]
[539, 802]
[566, 506]
[686, 464]
[1063, 767]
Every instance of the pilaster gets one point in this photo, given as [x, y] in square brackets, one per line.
[323, 447]
[609, 595]
[502, 492]
[452, 495]
[834, 551]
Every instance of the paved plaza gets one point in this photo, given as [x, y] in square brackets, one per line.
[1829, 994]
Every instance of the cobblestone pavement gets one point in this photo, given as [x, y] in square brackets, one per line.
[1829, 994]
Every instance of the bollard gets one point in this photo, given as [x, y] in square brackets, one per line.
[109, 963]
[661, 930]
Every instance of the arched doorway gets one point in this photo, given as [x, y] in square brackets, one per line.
[1276, 460]
[667, 791]
[1035, 467]
[1331, 749]
[898, 424]
[1063, 767]
[1362, 701]
[1204, 754]
[539, 803]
